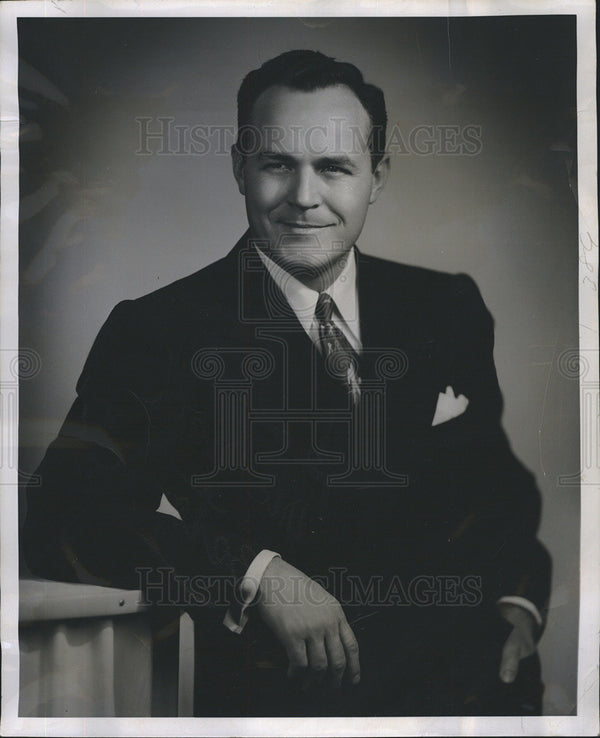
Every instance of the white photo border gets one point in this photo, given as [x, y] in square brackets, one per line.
[586, 720]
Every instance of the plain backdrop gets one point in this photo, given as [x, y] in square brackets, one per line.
[101, 222]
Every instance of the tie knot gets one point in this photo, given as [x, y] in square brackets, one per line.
[324, 308]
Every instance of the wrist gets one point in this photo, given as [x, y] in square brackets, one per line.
[517, 616]
[273, 571]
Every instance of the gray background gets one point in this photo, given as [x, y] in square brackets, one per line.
[100, 223]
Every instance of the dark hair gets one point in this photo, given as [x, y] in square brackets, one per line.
[310, 70]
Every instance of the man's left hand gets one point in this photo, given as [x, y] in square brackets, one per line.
[520, 643]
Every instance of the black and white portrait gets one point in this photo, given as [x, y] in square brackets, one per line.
[303, 377]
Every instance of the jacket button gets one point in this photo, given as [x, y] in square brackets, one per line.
[316, 524]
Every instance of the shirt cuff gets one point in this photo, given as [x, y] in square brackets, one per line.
[525, 604]
[235, 618]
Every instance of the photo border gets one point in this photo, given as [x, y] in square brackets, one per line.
[586, 720]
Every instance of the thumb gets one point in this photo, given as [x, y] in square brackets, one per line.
[509, 665]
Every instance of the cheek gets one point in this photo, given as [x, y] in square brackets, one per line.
[350, 201]
[267, 192]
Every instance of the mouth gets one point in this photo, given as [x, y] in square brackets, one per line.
[302, 226]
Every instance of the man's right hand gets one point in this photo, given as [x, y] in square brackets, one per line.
[310, 624]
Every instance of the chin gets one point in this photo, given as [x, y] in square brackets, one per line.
[306, 266]
[317, 274]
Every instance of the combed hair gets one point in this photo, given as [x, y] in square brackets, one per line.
[311, 70]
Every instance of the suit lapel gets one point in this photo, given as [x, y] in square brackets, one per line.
[391, 324]
[382, 306]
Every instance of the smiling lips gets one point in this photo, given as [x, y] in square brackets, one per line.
[304, 226]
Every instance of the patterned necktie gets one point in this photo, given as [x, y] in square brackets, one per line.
[342, 360]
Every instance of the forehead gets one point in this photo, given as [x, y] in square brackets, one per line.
[295, 118]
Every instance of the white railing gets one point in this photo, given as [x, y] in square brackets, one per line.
[95, 651]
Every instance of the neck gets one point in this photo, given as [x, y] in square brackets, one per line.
[330, 273]
[319, 278]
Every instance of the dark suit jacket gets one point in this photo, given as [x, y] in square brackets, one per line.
[185, 388]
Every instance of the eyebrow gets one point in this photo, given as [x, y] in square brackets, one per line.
[337, 161]
[277, 156]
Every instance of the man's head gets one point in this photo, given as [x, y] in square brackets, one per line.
[309, 159]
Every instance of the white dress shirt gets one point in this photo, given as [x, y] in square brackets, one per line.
[303, 301]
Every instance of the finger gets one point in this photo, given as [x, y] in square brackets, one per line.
[509, 665]
[296, 653]
[350, 645]
[317, 658]
[336, 657]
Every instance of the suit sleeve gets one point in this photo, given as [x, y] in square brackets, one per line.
[94, 516]
[501, 528]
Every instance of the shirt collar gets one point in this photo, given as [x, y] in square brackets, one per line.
[303, 299]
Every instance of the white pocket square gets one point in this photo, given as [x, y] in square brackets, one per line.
[449, 406]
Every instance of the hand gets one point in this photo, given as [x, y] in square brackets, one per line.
[520, 643]
[310, 624]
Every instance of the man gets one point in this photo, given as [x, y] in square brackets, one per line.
[327, 425]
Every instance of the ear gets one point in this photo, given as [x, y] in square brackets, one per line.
[380, 177]
[238, 160]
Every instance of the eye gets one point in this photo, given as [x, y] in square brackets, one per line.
[334, 169]
[277, 166]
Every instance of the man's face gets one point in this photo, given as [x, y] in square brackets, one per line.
[307, 176]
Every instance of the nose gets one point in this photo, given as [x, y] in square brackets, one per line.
[304, 189]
